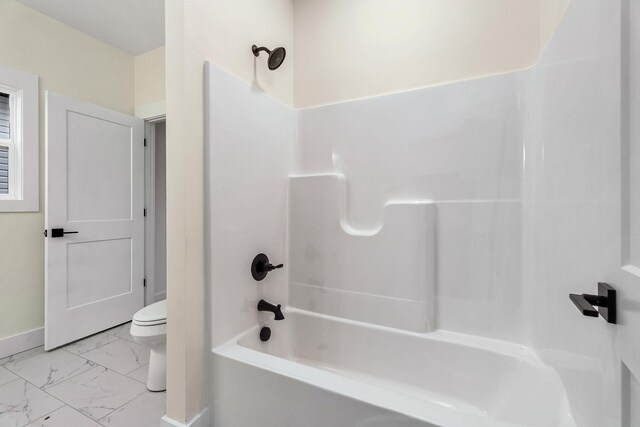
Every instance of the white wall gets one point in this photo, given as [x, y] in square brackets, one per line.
[458, 146]
[383, 275]
[74, 64]
[249, 141]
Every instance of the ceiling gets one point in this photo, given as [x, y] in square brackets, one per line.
[135, 26]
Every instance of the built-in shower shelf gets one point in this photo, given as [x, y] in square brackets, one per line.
[383, 275]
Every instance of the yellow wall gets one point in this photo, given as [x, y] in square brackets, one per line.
[149, 83]
[361, 48]
[71, 63]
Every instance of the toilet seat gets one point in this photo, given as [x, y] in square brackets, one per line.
[152, 315]
[154, 323]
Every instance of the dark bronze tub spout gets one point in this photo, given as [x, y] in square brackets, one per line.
[275, 309]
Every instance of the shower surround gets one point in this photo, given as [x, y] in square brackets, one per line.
[461, 189]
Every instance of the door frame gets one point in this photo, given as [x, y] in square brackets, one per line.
[150, 206]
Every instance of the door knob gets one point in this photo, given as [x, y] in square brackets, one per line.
[605, 301]
[59, 232]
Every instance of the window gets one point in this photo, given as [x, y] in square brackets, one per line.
[7, 147]
[4, 169]
[18, 141]
[5, 136]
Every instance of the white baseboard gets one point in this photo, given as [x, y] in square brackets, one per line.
[200, 420]
[21, 342]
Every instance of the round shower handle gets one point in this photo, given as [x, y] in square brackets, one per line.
[272, 267]
[260, 267]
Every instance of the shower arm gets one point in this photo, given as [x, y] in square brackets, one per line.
[256, 50]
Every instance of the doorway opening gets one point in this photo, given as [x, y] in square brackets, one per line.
[155, 205]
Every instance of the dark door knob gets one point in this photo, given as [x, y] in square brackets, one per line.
[59, 232]
[261, 266]
[605, 301]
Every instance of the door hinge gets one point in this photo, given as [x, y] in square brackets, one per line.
[145, 142]
[145, 211]
[144, 282]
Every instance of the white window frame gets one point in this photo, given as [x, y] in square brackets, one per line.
[24, 176]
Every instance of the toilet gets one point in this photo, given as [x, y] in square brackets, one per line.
[149, 328]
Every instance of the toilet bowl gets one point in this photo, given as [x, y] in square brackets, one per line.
[149, 328]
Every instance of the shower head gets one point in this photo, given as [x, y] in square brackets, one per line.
[276, 56]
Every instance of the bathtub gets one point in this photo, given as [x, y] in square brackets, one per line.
[319, 370]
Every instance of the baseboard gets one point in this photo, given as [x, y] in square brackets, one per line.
[200, 420]
[21, 342]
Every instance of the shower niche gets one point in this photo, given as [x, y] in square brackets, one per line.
[383, 276]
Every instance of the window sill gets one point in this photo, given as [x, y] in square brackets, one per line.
[25, 205]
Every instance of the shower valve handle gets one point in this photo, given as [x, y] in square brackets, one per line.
[261, 266]
[272, 267]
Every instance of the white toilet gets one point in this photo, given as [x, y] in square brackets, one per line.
[149, 328]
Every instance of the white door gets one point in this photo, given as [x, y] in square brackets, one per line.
[94, 272]
[583, 157]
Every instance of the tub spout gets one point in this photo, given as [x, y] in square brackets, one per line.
[275, 309]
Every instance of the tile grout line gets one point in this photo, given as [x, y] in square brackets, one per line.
[84, 415]
[91, 418]
[135, 369]
[38, 388]
[117, 338]
[49, 394]
[15, 361]
[114, 411]
[63, 381]
[70, 407]
[45, 415]
[125, 339]
[107, 369]
[48, 413]
[112, 342]
[66, 379]
[95, 348]
[95, 364]
[141, 382]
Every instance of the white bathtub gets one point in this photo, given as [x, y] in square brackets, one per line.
[320, 370]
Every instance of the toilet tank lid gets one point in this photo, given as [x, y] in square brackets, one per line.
[152, 313]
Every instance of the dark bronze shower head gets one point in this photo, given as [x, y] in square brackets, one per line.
[276, 56]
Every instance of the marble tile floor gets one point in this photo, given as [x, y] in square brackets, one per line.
[95, 382]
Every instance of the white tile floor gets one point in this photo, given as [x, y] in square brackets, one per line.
[98, 381]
